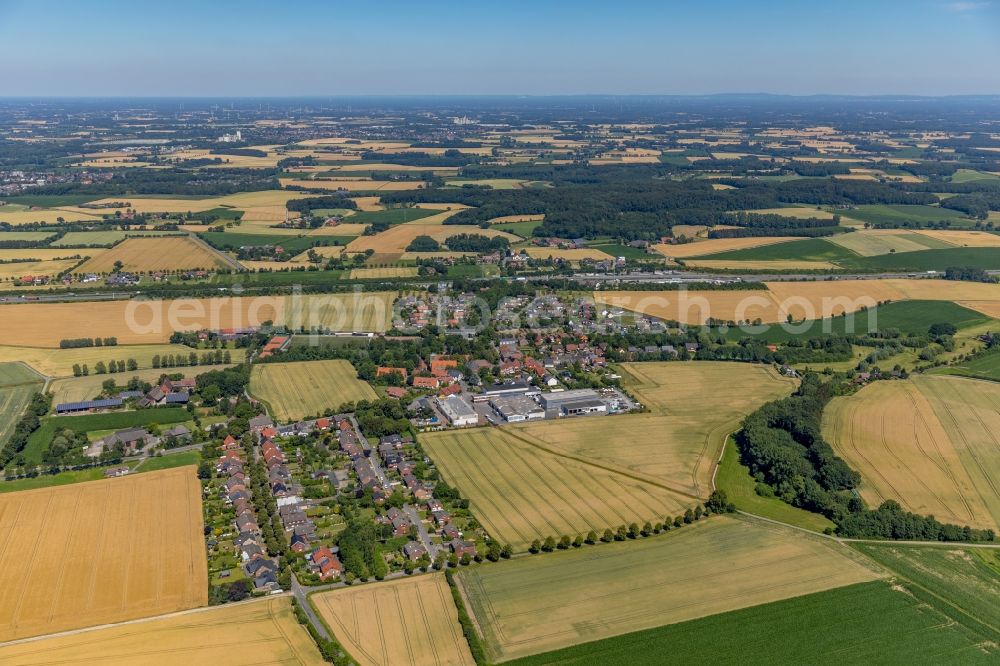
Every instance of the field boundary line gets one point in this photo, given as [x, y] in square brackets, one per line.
[98, 627]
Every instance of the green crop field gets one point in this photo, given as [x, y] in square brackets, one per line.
[532, 605]
[619, 250]
[39, 440]
[734, 478]
[389, 216]
[522, 229]
[970, 176]
[228, 240]
[907, 317]
[809, 249]
[986, 258]
[17, 384]
[305, 388]
[986, 366]
[90, 238]
[893, 215]
[31, 236]
[967, 580]
[867, 623]
[278, 278]
[170, 460]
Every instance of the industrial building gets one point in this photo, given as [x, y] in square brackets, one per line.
[578, 402]
[517, 408]
[508, 389]
[458, 411]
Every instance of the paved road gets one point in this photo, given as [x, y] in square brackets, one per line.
[425, 538]
[301, 596]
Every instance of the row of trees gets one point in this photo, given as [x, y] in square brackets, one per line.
[73, 343]
[102, 368]
[783, 446]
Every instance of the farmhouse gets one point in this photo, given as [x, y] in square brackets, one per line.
[459, 412]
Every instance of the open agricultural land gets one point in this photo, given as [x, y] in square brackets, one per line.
[929, 443]
[60, 362]
[137, 551]
[256, 632]
[678, 442]
[521, 491]
[412, 621]
[845, 625]
[144, 255]
[801, 300]
[533, 605]
[148, 322]
[17, 384]
[296, 390]
[76, 389]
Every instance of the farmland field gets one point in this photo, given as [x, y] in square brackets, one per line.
[810, 249]
[521, 491]
[17, 384]
[568, 255]
[536, 604]
[760, 265]
[136, 545]
[872, 242]
[678, 443]
[966, 578]
[383, 273]
[734, 478]
[696, 307]
[716, 245]
[846, 625]
[59, 362]
[929, 443]
[50, 268]
[256, 632]
[76, 238]
[39, 324]
[884, 214]
[411, 621]
[155, 254]
[76, 389]
[34, 236]
[986, 366]
[296, 390]
[397, 238]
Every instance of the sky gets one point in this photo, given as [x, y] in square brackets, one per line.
[215, 48]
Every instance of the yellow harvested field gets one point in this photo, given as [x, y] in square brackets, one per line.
[964, 238]
[49, 253]
[368, 204]
[343, 229]
[50, 268]
[930, 443]
[696, 307]
[263, 631]
[721, 186]
[354, 185]
[140, 321]
[504, 219]
[409, 621]
[242, 201]
[817, 300]
[521, 489]
[409, 256]
[764, 265]
[677, 443]
[76, 389]
[165, 253]
[305, 388]
[384, 166]
[47, 215]
[395, 240]
[714, 245]
[575, 254]
[231, 161]
[798, 212]
[438, 218]
[382, 273]
[59, 362]
[532, 605]
[872, 242]
[100, 552]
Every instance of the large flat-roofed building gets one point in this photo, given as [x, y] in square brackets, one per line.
[459, 412]
[573, 403]
[508, 389]
[517, 408]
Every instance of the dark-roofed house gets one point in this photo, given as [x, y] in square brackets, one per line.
[88, 405]
[414, 550]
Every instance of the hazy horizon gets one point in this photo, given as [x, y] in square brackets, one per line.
[54, 48]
